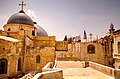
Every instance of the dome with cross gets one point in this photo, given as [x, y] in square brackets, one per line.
[20, 18]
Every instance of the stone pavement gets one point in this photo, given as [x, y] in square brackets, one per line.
[75, 70]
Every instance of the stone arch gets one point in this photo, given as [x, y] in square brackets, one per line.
[3, 66]
[38, 59]
[19, 64]
[90, 49]
[118, 47]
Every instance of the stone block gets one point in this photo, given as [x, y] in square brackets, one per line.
[117, 74]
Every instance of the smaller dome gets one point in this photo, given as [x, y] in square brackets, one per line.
[20, 18]
[40, 30]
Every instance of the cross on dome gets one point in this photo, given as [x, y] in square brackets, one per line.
[22, 5]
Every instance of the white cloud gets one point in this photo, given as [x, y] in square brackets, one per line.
[31, 13]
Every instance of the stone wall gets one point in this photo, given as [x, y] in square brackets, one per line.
[116, 54]
[115, 46]
[44, 41]
[47, 54]
[61, 46]
[115, 73]
[12, 65]
[67, 56]
[82, 56]
[82, 48]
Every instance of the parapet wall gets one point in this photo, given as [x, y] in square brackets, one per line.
[56, 74]
[115, 73]
[48, 72]
[104, 69]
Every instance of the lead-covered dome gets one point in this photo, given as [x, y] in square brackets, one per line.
[20, 18]
[40, 30]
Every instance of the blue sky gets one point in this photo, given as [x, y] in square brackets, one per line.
[67, 17]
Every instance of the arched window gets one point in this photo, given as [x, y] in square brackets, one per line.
[19, 64]
[33, 33]
[111, 45]
[3, 66]
[118, 47]
[38, 59]
[90, 49]
[9, 29]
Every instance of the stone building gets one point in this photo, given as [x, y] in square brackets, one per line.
[90, 49]
[116, 47]
[107, 42]
[24, 46]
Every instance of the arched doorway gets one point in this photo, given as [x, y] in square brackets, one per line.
[3, 66]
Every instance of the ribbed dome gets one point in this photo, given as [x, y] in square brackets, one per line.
[20, 18]
[40, 31]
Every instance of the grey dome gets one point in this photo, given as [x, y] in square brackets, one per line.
[20, 18]
[40, 31]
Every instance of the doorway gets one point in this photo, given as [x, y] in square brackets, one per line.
[3, 66]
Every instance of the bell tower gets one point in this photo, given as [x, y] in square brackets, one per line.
[111, 30]
[84, 37]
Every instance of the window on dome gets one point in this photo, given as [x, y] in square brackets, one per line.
[9, 29]
[33, 33]
[90, 49]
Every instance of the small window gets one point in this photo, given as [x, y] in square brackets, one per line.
[9, 29]
[19, 64]
[111, 46]
[91, 49]
[38, 59]
[118, 47]
[3, 49]
[105, 47]
[33, 33]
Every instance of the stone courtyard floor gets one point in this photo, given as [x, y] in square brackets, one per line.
[75, 70]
